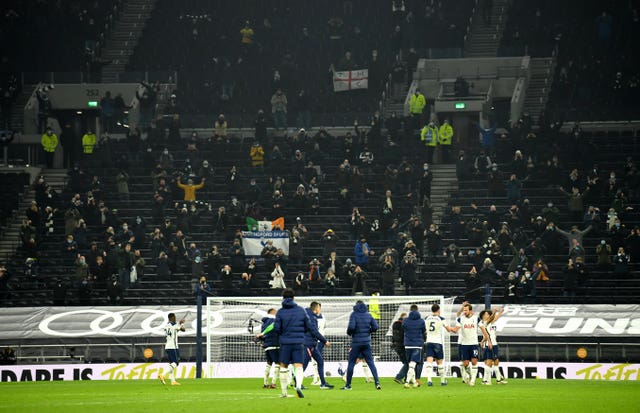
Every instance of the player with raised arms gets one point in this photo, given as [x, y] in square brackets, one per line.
[435, 325]
[467, 325]
[171, 346]
[490, 345]
[291, 325]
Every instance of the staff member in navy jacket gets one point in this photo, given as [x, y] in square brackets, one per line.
[414, 330]
[361, 325]
[292, 322]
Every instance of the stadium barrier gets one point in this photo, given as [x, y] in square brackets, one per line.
[150, 371]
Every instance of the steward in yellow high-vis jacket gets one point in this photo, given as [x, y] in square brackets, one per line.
[429, 135]
[445, 138]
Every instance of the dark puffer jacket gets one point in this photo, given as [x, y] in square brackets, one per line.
[361, 325]
[271, 338]
[414, 330]
[292, 323]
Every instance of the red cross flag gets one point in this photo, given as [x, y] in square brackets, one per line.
[352, 79]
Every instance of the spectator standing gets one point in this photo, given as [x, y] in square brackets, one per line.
[621, 263]
[487, 137]
[49, 142]
[220, 129]
[115, 291]
[122, 181]
[256, 154]
[429, 135]
[279, 109]
[416, 107]
[107, 112]
[190, 189]
[89, 141]
[362, 252]
[445, 139]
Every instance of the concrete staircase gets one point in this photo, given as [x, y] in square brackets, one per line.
[395, 102]
[56, 178]
[10, 239]
[124, 37]
[10, 236]
[537, 94]
[483, 39]
[444, 183]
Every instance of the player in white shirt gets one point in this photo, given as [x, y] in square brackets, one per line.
[171, 346]
[490, 345]
[467, 326]
[435, 325]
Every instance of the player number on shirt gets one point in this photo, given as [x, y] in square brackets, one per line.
[432, 326]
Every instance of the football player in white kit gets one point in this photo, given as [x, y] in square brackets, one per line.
[171, 346]
[435, 325]
[490, 346]
[467, 325]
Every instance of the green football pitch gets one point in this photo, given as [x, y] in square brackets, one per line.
[247, 395]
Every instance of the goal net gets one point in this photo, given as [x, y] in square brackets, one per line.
[232, 323]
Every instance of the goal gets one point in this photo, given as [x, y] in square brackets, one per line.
[231, 324]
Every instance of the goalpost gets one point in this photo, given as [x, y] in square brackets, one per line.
[231, 324]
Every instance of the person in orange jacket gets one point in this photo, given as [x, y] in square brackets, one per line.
[190, 189]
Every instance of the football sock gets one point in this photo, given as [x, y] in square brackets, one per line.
[316, 376]
[267, 373]
[464, 372]
[474, 373]
[275, 372]
[172, 369]
[496, 371]
[411, 372]
[428, 371]
[299, 376]
[441, 373]
[284, 380]
[367, 372]
[487, 374]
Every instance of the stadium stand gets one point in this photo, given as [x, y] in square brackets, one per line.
[202, 41]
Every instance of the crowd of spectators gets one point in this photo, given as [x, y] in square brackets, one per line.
[62, 36]
[596, 76]
[518, 241]
[234, 57]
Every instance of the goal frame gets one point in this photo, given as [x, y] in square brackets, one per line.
[214, 305]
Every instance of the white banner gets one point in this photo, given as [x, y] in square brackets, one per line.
[150, 371]
[254, 241]
[540, 321]
[351, 79]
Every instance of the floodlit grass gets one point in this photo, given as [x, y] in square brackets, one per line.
[247, 395]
